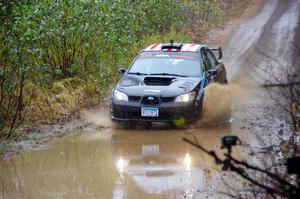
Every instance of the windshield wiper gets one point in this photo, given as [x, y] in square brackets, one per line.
[137, 73]
[168, 74]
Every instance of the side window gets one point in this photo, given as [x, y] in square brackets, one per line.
[206, 60]
[212, 59]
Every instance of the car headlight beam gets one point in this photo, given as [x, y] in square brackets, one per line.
[118, 95]
[187, 97]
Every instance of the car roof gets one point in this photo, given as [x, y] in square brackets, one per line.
[178, 47]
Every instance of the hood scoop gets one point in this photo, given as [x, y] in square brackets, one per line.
[159, 81]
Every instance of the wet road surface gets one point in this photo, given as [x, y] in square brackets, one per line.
[156, 163]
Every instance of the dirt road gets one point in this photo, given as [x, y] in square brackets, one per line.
[140, 163]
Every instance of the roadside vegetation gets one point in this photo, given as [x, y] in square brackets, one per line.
[57, 57]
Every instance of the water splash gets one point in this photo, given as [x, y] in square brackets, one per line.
[218, 101]
[100, 118]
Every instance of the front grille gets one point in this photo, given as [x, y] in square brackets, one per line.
[150, 100]
[134, 98]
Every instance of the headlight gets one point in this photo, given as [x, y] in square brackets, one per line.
[188, 97]
[120, 96]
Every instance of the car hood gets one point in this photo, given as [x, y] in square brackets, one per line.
[166, 86]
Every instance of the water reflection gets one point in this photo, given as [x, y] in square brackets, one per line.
[123, 164]
[187, 162]
[152, 163]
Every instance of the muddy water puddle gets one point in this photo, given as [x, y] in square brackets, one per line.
[115, 163]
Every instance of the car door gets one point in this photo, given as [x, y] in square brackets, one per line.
[215, 65]
[208, 64]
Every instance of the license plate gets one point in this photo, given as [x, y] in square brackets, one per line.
[149, 112]
[151, 149]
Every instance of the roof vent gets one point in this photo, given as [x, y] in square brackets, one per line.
[171, 41]
[172, 45]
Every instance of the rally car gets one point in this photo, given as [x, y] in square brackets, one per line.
[166, 82]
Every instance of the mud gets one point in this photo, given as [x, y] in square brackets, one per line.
[103, 161]
[218, 102]
[100, 118]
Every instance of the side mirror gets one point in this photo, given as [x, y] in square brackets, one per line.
[211, 72]
[122, 70]
[220, 52]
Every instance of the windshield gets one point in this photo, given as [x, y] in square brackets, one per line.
[167, 63]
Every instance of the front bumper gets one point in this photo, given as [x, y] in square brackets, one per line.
[169, 112]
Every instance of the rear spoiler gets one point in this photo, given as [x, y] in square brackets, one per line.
[215, 50]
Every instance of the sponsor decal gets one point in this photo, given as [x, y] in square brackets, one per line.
[162, 55]
[169, 55]
[145, 55]
[182, 57]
